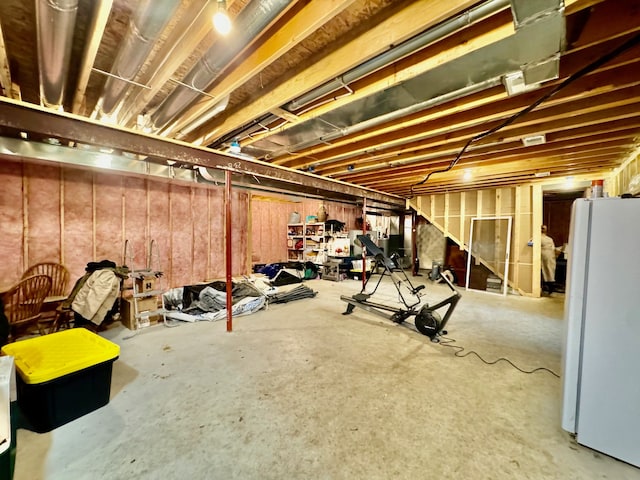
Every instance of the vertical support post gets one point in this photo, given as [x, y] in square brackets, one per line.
[364, 249]
[228, 252]
[537, 204]
[414, 243]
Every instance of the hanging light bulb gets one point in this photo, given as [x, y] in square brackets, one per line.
[221, 20]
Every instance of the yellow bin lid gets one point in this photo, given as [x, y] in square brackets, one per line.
[52, 356]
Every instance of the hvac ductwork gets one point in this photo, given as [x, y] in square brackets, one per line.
[253, 19]
[392, 55]
[56, 20]
[144, 29]
[534, 50]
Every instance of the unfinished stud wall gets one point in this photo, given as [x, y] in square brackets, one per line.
[269, 217]
[621, 181]
[74, 216]
[451, 213]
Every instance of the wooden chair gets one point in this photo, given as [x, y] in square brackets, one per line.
[23, 302]
[58, 273]
[50, 312]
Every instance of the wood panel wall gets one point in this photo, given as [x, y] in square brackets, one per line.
[452, 214]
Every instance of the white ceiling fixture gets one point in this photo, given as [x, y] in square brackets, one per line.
[515, 83]
[532, 140]
[221, 20]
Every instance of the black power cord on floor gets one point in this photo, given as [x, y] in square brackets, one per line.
[445, 342]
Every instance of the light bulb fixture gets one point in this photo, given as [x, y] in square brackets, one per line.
[468, 175]
[221, 20]
[235, 146]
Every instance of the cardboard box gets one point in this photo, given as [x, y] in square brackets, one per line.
[127, 312]
[146, 284]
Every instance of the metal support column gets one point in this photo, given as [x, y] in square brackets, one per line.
[228, 251]
[364, 249]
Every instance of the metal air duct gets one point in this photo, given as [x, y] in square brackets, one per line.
[253, 19]
[534, 49]
[388, 57]
[145, 27]
[56, 20]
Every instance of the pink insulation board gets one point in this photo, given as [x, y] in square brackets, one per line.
[11, 222]
[43, 200]
[108, 198]
[200, 228]
[240, 232]
[216, 233]
[135, 221]
[77, 226]
[181, 221]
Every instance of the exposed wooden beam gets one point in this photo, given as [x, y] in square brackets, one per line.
[402, 24]
[5, 72]
[492, 104]
[464, 42]
[300, 26]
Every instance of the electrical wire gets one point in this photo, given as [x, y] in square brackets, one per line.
[459, 350]
[572, 78]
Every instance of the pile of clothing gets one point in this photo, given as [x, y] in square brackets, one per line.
[94, 296]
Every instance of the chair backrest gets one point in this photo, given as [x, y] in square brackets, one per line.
[24, 300]
[58, 273]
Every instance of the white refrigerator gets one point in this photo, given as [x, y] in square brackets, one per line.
[601, 354]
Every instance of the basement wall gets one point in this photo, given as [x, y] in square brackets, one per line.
[74, 216]
[621, 180]
[57, 213]
[451, 213]
[270, 215]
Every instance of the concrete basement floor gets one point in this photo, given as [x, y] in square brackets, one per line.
[301, 392]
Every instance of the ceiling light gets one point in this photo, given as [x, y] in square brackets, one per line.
[221, 20]
[569, 182]
[542, 174]
[234, 147]
[467, 175]
[534, 140]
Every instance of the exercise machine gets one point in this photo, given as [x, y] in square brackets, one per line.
[427, 320]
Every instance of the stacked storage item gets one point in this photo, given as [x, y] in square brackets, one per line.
[7, 426]
[62, 376]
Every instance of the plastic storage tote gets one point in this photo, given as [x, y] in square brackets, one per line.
[7, 425]
[62, 376]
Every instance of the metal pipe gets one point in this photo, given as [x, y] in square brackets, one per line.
[394, 54]
[145, 27]
[364, 249]
[249, 24]
[417, 107]
[228, 249]
[434, 34]
[56, 21]
[532, 41]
